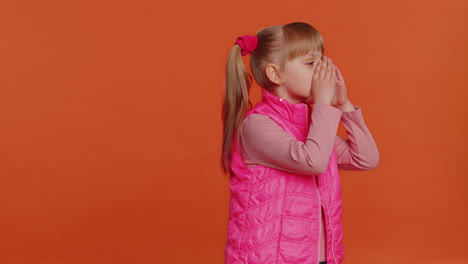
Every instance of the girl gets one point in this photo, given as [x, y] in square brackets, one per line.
[283, 154]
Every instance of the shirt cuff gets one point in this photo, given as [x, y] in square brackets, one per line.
[328, 108]
[355, 114]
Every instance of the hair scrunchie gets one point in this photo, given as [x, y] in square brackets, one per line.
[247, 43]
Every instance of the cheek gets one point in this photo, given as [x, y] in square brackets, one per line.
[300, 76]
[307, 75]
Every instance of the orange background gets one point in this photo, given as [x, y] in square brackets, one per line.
[111, 127]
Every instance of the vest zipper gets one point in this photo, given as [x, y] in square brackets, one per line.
[320, 217]
[319, 202]
[318, 192]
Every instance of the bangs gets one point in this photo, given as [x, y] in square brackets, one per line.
[303, 46]
[301, 39]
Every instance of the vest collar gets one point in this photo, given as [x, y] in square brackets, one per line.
[295, 113]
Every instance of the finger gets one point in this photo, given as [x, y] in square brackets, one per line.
[323, 68]
[338, 74]
[315, 67]
[333, 73]
[329, 69]
[317, 70]
[316, 73]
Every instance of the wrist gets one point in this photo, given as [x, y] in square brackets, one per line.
[323, 101]
[347, 107]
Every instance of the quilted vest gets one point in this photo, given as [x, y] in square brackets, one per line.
[274, 214]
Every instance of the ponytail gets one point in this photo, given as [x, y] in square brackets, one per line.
[236, 103]
[277, 44]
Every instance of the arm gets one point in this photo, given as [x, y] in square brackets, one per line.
[360, 151]
[265, 142]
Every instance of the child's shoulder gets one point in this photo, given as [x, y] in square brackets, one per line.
[259, 108]
[257, 122]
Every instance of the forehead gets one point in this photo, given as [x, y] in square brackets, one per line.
[314, 54]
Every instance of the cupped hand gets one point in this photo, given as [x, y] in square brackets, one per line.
[341, 96]
[323, 82]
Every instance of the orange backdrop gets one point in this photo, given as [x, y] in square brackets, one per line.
[111, 127]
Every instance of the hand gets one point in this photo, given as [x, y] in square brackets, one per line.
[323, 82]
[341, 96]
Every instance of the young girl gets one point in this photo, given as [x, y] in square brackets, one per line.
[283, 154]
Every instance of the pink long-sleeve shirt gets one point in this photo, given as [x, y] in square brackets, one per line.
[264, 142]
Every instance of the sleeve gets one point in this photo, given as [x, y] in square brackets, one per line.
[360, 151]
[265, 142]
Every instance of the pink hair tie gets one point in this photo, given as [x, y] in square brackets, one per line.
[247, 44]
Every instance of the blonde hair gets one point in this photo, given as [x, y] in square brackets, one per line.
[276, 44]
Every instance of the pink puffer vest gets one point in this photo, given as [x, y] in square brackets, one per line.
[274, 214]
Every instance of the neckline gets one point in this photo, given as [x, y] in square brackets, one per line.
[295, 113]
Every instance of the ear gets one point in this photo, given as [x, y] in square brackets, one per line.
[273, 73]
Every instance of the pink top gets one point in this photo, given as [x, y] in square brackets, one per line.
[265, 142]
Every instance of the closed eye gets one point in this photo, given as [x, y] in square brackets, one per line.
[311, 63]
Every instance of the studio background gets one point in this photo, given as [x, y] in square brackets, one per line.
[111, 128]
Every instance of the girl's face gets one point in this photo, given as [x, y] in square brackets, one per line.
[297, 77]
